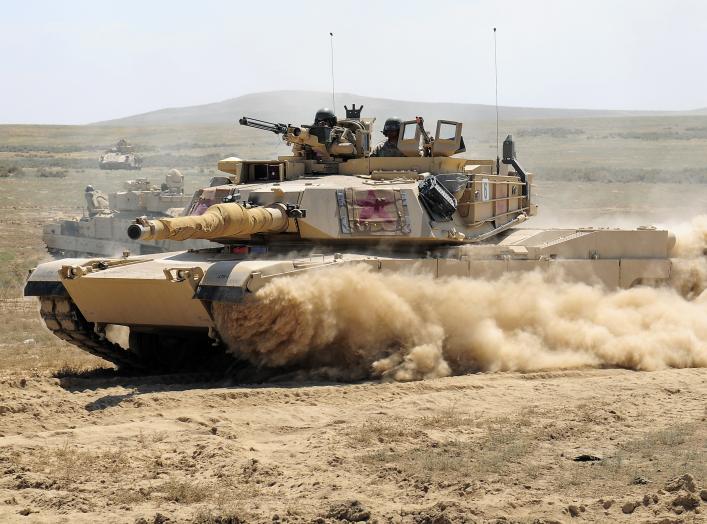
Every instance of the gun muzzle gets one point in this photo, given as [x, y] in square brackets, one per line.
[220, 221]
[137, 231]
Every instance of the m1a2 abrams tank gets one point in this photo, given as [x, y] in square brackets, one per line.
[426, 210]
[122, 156]
[102, 232]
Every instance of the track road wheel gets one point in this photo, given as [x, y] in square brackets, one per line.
[65, 320]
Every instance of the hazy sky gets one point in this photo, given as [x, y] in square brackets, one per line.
[76, 62]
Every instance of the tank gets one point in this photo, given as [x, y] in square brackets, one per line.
[121, 156]
[102, 231]
[329, 204]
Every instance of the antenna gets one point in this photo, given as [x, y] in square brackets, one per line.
[333, 99]
[495, 70]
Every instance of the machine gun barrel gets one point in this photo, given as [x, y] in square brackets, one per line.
[220, 221]
[279, 129]
[427, 140]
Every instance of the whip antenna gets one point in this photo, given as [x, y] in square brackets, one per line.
[495, 71]
[333, 99]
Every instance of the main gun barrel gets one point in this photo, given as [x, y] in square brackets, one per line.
[220, 221]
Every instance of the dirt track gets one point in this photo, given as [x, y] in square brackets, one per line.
[465, 449]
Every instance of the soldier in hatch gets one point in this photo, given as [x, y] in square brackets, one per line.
[96, 201]
[325, 117]
[391, 130]
[325, 128]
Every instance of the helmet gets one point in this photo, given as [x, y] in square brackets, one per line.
[325, 116]
[88, 189]
[392, 124]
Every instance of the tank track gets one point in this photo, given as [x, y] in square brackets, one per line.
[65, 320]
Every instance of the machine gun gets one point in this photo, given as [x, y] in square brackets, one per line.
[310, 143]
[427, 140]
[278, 129]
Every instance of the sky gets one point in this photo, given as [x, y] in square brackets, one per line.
[75, 62]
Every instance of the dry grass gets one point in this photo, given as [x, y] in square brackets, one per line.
[28, 346]
[19, 326]
[229, 515]
[670, 437]
[448, 417]
[129, 497]
[670, 451]
[467, 448]
[185, 492]
[382, 431]
[398, 429]
[656, 456]
[506, 442]
[494, 447]
[69, 465]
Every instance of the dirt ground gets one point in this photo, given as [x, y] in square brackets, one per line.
[79, 443]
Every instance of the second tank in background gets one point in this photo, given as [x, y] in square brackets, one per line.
[102, 231]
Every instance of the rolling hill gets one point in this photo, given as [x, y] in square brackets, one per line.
[298, 107]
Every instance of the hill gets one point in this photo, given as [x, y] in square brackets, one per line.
[299, 106]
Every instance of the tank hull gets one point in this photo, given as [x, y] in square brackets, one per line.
[172, 293]
[103, 232]
[106, 237]
[62, 246]
[112, 166]
[113, 161]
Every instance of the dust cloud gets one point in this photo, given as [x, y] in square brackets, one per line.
[353, 322]
[689, 271]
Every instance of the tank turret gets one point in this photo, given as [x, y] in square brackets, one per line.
[424, 195]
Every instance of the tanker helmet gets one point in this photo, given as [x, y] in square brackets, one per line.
[392, 125]
[325, 116]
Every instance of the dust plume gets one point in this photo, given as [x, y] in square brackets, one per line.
[689, 270]
[354, 322]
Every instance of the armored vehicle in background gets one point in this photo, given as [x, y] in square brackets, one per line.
[329, 204]
[102, 231]
[122, 156]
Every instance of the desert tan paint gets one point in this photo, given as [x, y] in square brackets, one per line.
[219, 221]
[344, 200]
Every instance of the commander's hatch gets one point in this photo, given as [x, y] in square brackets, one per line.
[409, 138]
[448, 139]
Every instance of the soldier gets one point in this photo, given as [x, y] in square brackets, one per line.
[391, 130]
[325, 117]
[174, 182]
[325, 127]
[96, 201]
